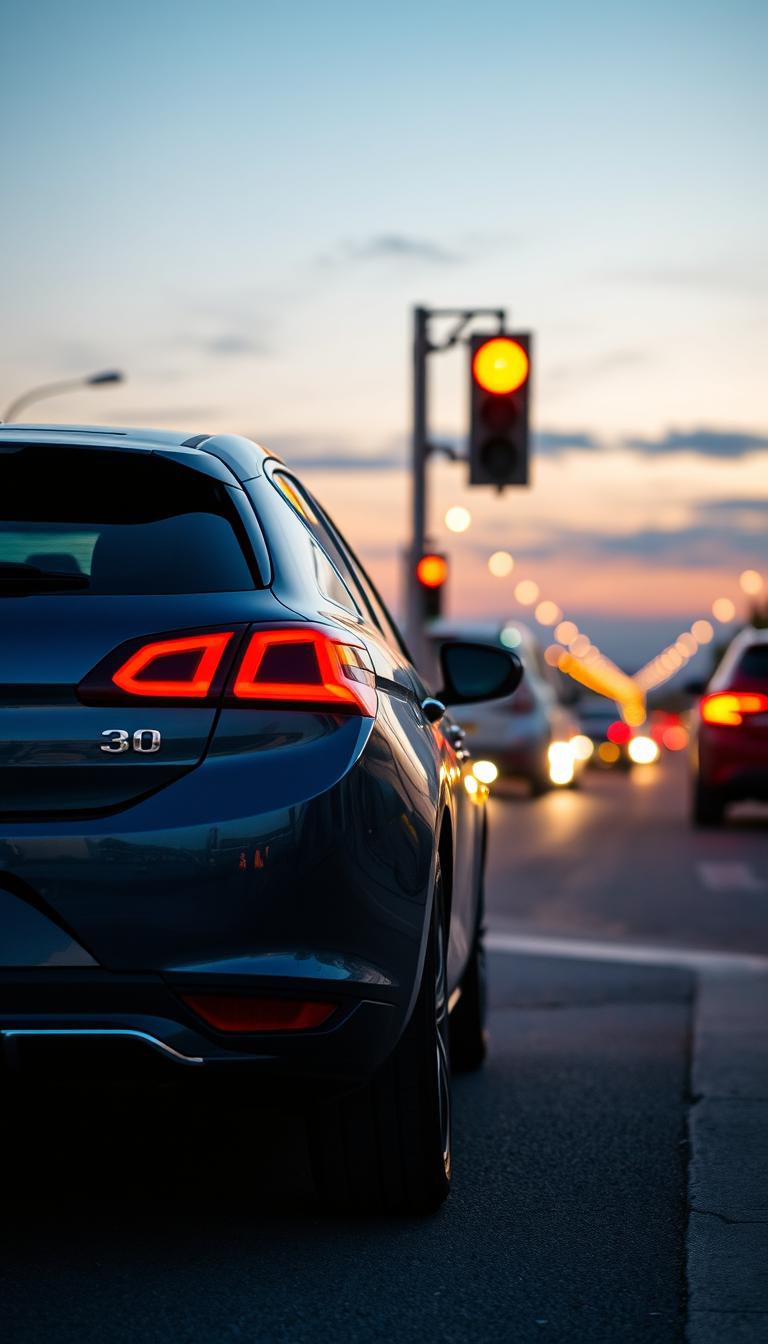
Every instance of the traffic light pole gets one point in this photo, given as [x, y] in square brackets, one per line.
[420, 451]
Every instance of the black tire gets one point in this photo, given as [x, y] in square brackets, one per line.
[386, 1148]
[708, 808]
[469, 1036]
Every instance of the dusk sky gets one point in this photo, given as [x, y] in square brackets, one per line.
[237, 204]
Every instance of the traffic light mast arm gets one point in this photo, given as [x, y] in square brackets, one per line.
[420, 449]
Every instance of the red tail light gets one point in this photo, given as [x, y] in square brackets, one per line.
[310, 666]
[173, 668]
[243, 1012]
[306, 666]
[729, 707]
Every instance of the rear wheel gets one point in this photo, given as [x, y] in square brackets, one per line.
[387, 1146]
[708, 805]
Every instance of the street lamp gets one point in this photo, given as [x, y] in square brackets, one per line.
[53, 390]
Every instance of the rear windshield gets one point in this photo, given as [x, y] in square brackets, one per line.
[106, 522]
[753, 663]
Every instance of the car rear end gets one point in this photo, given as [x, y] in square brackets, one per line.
[731, 731]
[194, 795]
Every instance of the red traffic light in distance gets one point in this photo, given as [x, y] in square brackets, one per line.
[432, 570]
[500, 365]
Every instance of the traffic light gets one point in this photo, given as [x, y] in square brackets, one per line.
[500, 373]
[431, 576]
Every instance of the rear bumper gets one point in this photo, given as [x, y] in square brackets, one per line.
[102, 926]
[96, 1024]
[734, 765]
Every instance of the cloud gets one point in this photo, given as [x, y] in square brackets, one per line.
[392, 247]
[705, 442]
[721, 276]
[745, 513]
[232, 343]
[551, 443]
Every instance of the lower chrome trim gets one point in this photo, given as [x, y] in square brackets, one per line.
[11, 1033]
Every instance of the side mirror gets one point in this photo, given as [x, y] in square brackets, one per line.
[473, 672]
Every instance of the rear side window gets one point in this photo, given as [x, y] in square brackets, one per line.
[117, 522]
[753, 663]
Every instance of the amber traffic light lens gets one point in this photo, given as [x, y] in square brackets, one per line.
[500, 365]
[432, 570]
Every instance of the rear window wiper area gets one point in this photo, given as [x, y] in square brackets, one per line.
[19, 577]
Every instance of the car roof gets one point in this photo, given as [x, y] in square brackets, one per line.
[748, 636]
[242, 456]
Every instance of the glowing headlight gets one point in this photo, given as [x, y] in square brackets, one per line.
[485, 771]
[560, 756]
[643, 750]
[582, 747]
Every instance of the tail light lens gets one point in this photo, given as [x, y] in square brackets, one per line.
[305, 666]
[244, 1012]
[174, 668]
[730, 707]
[302, 666]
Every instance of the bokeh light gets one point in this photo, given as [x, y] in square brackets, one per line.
[485, 771]
[687, 644]
[501, 564]
[566, 631]
[619, 732]
[552, 655]
[702, 632]
[548, 613]
[751, 582]
[580, 645]
[560, 756]
[608, 752]
[510, 637]
[582, 747]
[675, 737]
[643, 750]
[458, 518]
[526, 592]
[723, 610]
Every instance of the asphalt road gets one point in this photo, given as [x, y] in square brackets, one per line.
[619, 860]
[135, 1216]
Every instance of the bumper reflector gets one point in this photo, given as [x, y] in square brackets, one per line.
[245, 1012]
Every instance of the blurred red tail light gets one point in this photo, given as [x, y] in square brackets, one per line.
[729, 707]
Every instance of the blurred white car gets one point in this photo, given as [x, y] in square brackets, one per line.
[518, 732]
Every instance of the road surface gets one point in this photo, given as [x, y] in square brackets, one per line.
[127, 1219]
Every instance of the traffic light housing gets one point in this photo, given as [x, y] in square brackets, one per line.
[431, 576]
[500, 379]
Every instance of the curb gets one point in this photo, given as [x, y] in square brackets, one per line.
[727, 1243]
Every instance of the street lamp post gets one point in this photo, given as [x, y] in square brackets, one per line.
[54, 389]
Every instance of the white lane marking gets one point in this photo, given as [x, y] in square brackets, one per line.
[730, 877]
[638, 954]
